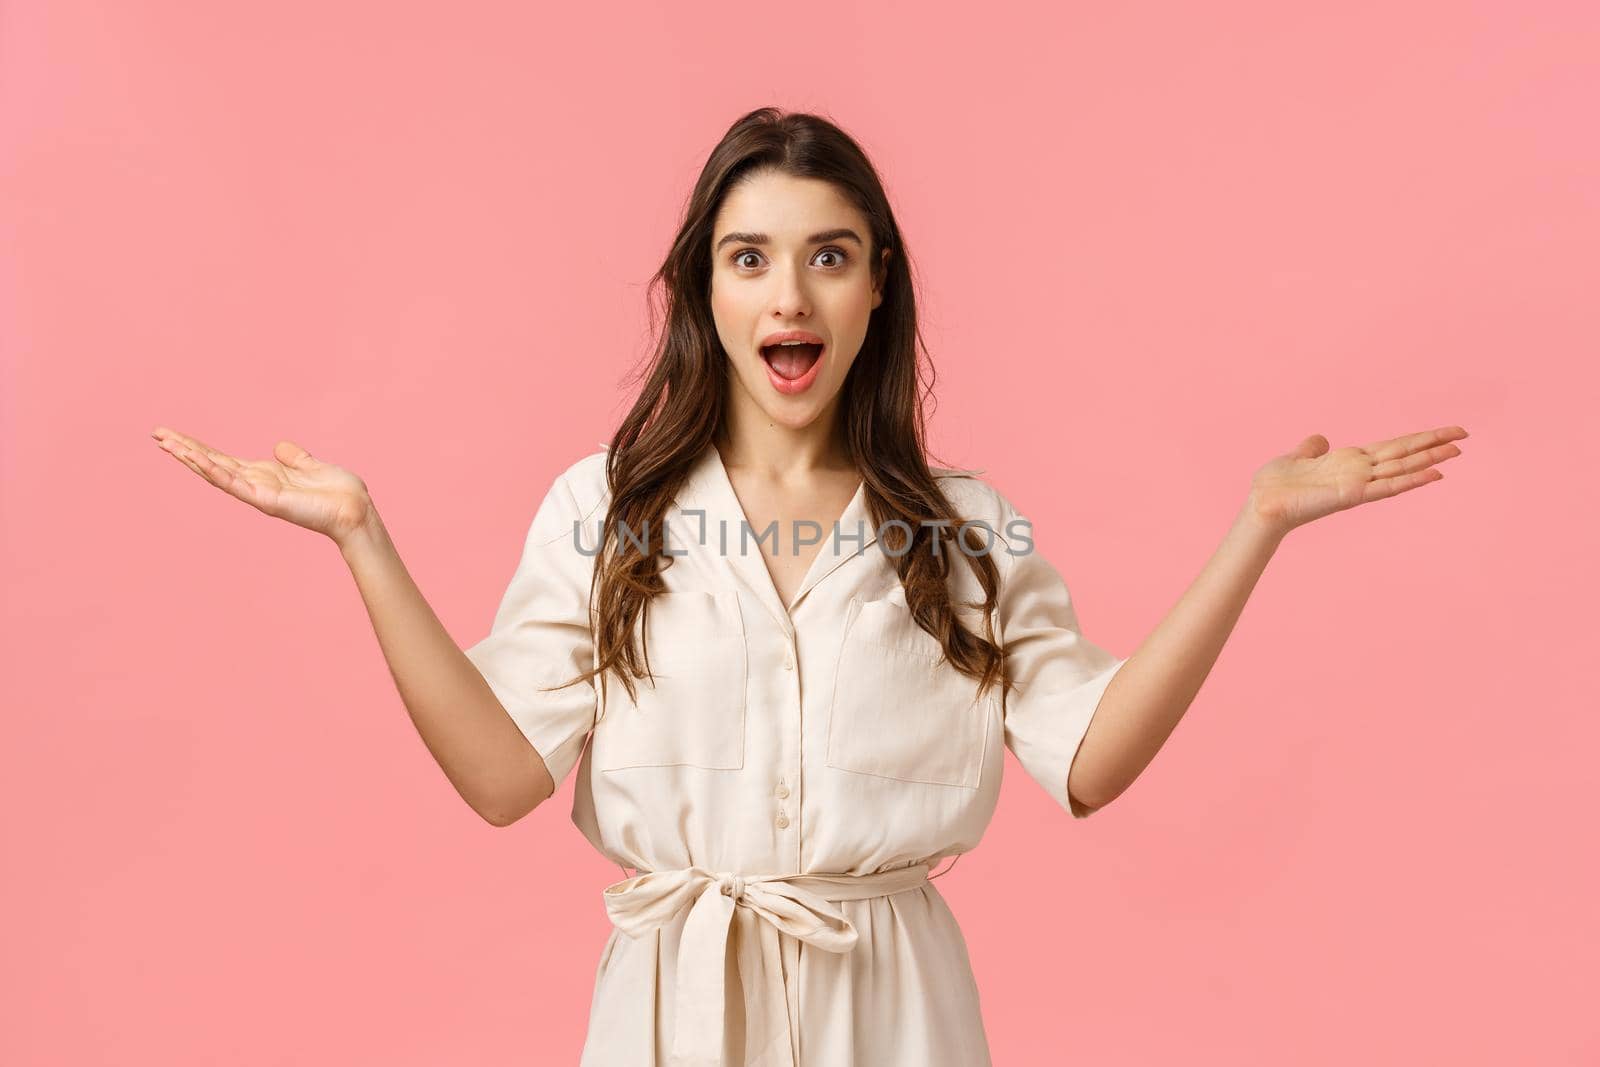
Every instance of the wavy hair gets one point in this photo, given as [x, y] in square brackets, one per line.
[684, 383]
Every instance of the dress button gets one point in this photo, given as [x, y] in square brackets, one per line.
[782, 791]
[783, 820]
[788, 660]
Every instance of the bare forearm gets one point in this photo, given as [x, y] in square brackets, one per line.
[1150, 694]
[1147, 697]
[463, 724]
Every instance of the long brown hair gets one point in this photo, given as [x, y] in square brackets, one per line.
[684, 382]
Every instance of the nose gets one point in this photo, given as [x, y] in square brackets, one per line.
[790, 300]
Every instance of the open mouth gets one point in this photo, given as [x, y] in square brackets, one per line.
[791, 361]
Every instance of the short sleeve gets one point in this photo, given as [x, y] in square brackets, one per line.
[1058, 674]
[541, 637]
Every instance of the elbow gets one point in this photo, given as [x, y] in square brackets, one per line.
[509, 801]
[1085, 796]
[1080, 808]
[496, 817]
[505, 813]
[1082, 797]
[508, 809]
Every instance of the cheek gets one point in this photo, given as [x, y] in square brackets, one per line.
[855, 309]
[721, 318]
[727, 313]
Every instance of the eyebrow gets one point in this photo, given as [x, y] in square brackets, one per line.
[841, 234]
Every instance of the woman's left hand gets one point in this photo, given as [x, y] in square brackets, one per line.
[1311, 481]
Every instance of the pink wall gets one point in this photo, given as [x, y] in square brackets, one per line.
[1158, 246]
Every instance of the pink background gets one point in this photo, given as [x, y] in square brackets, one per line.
[1158, 245]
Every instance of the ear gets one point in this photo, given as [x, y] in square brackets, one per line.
[882, 277]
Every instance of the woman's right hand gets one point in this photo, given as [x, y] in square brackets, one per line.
[294, 485]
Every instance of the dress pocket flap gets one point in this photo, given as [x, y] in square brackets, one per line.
[898, 711]
[693, 714]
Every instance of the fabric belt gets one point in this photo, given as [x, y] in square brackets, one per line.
[762, 907]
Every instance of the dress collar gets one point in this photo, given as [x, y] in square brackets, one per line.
[708, 487]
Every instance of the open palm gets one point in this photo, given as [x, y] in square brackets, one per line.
[294, 485]
[1310, 481]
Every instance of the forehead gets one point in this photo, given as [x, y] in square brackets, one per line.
[786, 207]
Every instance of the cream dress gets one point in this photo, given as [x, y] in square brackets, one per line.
[786, 786]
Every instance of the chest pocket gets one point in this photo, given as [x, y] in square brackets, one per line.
[694, 714]
[899, 711]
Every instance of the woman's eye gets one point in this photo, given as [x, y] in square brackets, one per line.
[837, 253]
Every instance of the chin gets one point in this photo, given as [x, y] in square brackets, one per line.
[793, 412]
[793, 416]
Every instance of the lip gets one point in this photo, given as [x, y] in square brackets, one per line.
[790, 335]
[806, 380]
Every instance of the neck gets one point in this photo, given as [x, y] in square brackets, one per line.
[759, 444]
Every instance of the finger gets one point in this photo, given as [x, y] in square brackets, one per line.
[194, 460]
[169, 437]
[1396, 447]
[1310, 448]
[1387, 487]
[292, 455]
[176, 448]
[167, 433]
[218, 475]
[174, 438]
[1416, 462]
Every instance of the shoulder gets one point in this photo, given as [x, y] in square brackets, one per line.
[585, 479]
[972, 493]
[974, 496]
[575, 495]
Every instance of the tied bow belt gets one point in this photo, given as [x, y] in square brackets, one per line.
[761, 906]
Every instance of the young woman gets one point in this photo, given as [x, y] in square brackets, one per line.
[782, 651]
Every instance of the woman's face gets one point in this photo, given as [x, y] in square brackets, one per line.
[789, 255]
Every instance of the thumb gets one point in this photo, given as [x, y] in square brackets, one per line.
[292, 455]
[1310, 448]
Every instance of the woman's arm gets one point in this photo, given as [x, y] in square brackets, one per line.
[475, 742]
[1140, 708]
[1143, 703]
